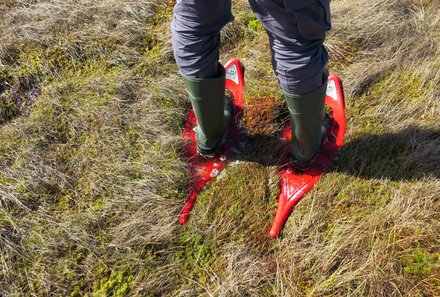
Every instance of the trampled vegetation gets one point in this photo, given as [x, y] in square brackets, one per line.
[92, 177]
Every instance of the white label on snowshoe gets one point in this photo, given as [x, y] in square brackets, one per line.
[214, 172]
[331, 90]
[232, 74]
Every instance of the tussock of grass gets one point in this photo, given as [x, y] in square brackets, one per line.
[92, 177]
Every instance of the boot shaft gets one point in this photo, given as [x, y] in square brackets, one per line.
[306, 118]
[207, 100]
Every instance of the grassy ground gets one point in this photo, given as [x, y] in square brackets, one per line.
[91, 186]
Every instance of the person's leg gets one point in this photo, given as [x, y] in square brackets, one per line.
[195, 36]
[296, 34]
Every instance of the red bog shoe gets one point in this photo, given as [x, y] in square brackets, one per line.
[294, 184]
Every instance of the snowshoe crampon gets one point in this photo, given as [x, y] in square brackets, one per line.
[203, 170]
[294, 184]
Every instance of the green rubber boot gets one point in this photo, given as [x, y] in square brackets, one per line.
[207, 96]
[308, 122]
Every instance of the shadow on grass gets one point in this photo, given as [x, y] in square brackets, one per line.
[410, 154]
[260, 148]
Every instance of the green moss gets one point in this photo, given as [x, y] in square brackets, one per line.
[399, 90]
[58, 59]
[197, 251]
[162, 15]
[254, 24]
[236, 209]
[419, 263]
[398, 87]
[30, 64]
[116, 284]
[361, 198]
[98, 204]
[153, 51]
[76, 292]
[196, 257]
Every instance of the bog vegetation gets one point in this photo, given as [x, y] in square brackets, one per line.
[92, 177]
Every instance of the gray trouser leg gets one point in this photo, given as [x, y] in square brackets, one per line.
[296, 32]
[196, 34]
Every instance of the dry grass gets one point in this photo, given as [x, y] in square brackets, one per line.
[92, 179]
